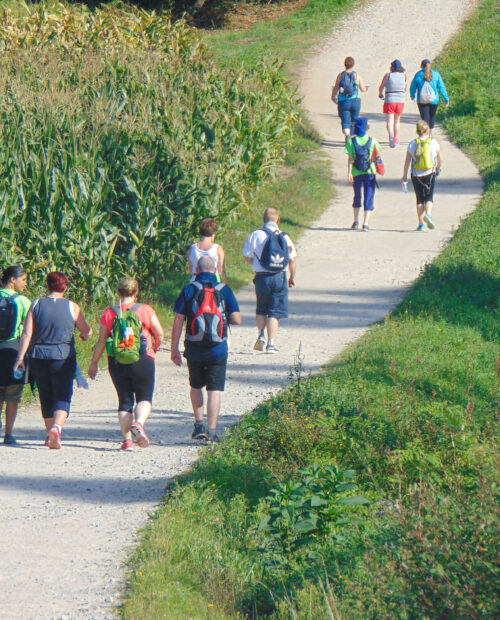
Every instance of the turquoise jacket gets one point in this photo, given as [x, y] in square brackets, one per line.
[436, 83]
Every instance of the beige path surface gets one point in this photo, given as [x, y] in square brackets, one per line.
[68, 518]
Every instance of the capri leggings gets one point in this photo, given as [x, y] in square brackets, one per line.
[54, 379]
[133, 382]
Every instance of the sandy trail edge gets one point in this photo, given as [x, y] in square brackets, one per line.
[69, 518]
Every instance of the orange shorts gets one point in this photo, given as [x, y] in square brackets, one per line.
[394, 108]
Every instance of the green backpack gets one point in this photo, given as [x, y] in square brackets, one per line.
[127, 342]
[423, 159]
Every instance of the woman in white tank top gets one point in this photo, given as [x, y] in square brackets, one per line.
[207, 247]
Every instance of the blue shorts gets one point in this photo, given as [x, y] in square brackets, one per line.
[272, 294]
[364, 184]
[54, 380]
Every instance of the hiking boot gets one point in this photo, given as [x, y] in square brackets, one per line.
[54, 438]
[212, 436]
[366, 228]
[199, 432]
[140, 435]
[428, 220]
[271, 348]
[260, 343]
[10, 440]
[421, 228]
[127, 445]
[355, 225]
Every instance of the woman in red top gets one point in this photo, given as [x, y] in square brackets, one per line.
[133, 382]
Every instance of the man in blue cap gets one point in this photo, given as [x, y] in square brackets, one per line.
[361, 170]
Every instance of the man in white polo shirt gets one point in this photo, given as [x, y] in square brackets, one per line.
[271, 253]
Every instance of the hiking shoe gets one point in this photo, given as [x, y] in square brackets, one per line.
[140, 435]
[54, 438]
[212, 436]
[199, 432]
[396, 142]
[10, 440]
[260, 343]
[355, 226]
[366, 228]
[392, 142]
[421, 228]
[428, 220]
[271, 348]
[127, 445]
[46, 442]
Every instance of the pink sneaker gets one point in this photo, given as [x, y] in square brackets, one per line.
[396, 142]
[54, 439]
[140, 435]
[127, 445]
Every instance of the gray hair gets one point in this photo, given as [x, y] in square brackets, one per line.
[205, 263]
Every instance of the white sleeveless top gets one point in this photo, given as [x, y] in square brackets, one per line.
[195, 254]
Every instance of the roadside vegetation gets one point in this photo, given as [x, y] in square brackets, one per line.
[370, 491]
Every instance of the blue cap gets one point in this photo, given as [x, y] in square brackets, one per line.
[396, 64]
[424, 62]
[361, 126]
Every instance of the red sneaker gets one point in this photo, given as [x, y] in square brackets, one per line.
[140, 435]
[127, 445]
[54, 439]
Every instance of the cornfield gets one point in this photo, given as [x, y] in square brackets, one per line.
[118, 134]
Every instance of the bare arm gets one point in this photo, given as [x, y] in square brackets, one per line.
[439, 161]
[407, 165]
[24, 340]
[335, 88]
[221, 264]
[292, 266]
[81, 324]
[235, 318]
[157, 331]
[382, 86]
[248, 260]
[98, 351]
[175, 354]
[362, 86]
[350, 162]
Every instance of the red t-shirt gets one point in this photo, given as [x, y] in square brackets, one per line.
[144, 312]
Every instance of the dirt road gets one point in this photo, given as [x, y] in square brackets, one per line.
[69, 518]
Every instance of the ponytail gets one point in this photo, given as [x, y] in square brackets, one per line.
[428, 72]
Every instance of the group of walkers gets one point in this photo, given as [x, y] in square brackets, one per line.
[37, 339]
[364, 160]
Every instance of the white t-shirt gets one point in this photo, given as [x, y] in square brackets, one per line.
[195, 254]
[412, 149]
[255, 244]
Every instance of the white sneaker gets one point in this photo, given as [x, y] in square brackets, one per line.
[260, 343]
[271, 349]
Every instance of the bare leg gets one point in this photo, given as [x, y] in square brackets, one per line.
[197, 403]
[125, 421]
[213, 408]
[142, 411]
[397, 125]
[272, 327]
[49, 423]
[390, 125]
[366, 217]
[356, 214]
[10, 417]
[428, 207]
[420, 213]
[60, 417]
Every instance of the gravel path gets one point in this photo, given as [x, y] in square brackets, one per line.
[69, 518]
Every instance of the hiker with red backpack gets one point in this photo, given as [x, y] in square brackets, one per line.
[271, 253]
[14, 309]
[208, 308]
[362, 166]
[131, 334]
[424, 155]
[345, 93]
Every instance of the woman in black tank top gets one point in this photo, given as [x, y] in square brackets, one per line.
[48, 332]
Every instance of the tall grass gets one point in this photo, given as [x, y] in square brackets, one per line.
[273, 523]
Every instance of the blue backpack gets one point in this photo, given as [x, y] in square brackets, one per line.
[348, 86]
[362, 161]
[275, 254]
[8, 316]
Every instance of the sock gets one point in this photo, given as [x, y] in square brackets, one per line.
[270, 342]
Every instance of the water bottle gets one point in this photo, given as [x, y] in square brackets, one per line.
[18, 373]
[81, 382]
[405, 186]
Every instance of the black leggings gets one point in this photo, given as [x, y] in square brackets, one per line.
[428, 112]
[133, 380]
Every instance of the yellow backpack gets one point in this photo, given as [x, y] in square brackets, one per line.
[422, 158]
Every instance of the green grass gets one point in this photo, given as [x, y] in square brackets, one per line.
[412, 409]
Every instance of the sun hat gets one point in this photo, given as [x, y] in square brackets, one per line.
[424, 62]
[361, 126]
[396, 64]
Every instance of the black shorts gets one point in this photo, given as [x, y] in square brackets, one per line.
[133, 381]
[424, 187]
[211, 374]
[54, 379]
